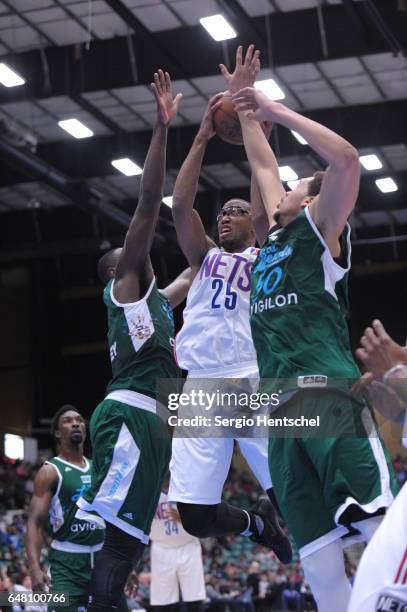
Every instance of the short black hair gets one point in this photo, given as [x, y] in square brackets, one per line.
[314, 186]
[108, 260]
[58, 414]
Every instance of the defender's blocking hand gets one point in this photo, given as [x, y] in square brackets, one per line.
[167, 106]
[206, 129]
[257, 105]
[245, 72]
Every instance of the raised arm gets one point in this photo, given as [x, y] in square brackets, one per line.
[176, 292]
[134, 271]
[190, 230]
[45, 484]
[340, 185]
[260, 218]
[259, 153]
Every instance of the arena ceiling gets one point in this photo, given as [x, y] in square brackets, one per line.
[342, 63]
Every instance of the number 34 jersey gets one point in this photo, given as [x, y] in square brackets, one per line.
[216, 334]
[165, 530]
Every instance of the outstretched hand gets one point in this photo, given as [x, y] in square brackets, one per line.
[378, 351]
[245, 72]
[167, 106]
[255, 103]
[207, 129]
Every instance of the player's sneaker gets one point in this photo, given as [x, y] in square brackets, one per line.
[272, 535]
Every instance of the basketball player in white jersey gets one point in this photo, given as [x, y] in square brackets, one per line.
[176, 561]
[381, 580]
[215, 342]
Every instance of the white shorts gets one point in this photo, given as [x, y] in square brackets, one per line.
[199, 466]
[381, 579]
[174, 570]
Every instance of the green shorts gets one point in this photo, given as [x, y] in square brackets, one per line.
[323, 484]
[70, 574]
[131, 452]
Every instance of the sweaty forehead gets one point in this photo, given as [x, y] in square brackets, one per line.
[242, 203]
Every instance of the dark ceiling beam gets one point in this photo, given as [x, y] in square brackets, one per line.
[96, 113]
[106, 65]
[140, 30]
[78, 193]
[364, 126]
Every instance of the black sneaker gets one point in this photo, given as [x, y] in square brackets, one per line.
[273, 535]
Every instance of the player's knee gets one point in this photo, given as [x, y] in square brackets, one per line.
[197, 519]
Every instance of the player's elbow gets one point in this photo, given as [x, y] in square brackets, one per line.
[348, 158]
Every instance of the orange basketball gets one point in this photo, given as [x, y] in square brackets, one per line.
[227, 124]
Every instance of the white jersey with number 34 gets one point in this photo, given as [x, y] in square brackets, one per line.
[216, 333]
[166, 531]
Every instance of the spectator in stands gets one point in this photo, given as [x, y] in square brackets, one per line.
[263, 585]
[253, 579]
[231, 567]
[290, 596]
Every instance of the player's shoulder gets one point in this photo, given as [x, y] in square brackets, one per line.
[47, 476]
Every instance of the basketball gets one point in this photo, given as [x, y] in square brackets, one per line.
[227, 124]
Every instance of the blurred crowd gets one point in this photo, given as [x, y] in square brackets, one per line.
[239, 574]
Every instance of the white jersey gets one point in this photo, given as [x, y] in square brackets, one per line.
[164, 530]
[381, 580]
[216, 334]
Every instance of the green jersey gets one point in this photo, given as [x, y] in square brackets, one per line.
[141, 339]
[73, 481]
[298, 305]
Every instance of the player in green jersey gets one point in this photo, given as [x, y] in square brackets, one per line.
[57, 486]
[324, 485]
[131, 444]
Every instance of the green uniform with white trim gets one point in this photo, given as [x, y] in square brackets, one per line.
[131, 444]
[75, 541]
[298, 304]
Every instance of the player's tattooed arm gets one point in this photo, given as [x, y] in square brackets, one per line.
[177, 291]
[259, 153]
[45, 484]
[340, 186]
[134, 272]
[191, 233]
